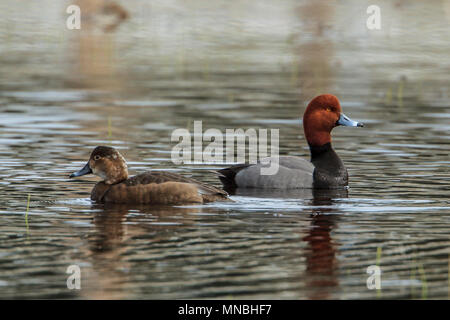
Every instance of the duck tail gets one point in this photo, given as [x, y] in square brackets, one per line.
[227, 175]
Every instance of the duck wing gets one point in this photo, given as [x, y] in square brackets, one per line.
[293, 173]
[165, 176]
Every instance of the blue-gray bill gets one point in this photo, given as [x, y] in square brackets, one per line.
[346, 121]
[86, 170]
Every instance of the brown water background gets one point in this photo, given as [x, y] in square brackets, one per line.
[231, 64]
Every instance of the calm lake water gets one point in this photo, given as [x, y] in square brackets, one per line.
[238, 64]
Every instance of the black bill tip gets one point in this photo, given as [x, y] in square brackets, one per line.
[86, 170]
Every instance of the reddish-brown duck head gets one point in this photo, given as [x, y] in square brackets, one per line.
[323, 113]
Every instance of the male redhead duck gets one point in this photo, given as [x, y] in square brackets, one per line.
[325, 171]
[152, 187]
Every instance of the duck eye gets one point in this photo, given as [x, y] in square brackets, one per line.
[329, 109]
[96, 157]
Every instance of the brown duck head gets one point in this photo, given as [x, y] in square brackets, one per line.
[324, 113]
[107, 163]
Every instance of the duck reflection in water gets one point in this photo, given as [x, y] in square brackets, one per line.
[116, 223]
[321, 263]
[109, 250]
[321, 274]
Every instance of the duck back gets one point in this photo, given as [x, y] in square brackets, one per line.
[157, 187]
[293, 173]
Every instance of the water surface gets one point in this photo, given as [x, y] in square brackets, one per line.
[240, 64]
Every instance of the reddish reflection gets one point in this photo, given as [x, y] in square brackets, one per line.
[321, 262]
[94, 44]
[315, 62]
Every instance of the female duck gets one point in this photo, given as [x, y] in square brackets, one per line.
[325, 171]
[152, 187]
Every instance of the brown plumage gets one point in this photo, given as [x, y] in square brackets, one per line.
[152, 187]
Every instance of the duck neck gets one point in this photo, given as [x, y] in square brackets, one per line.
[329, 171]
[116, 176]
